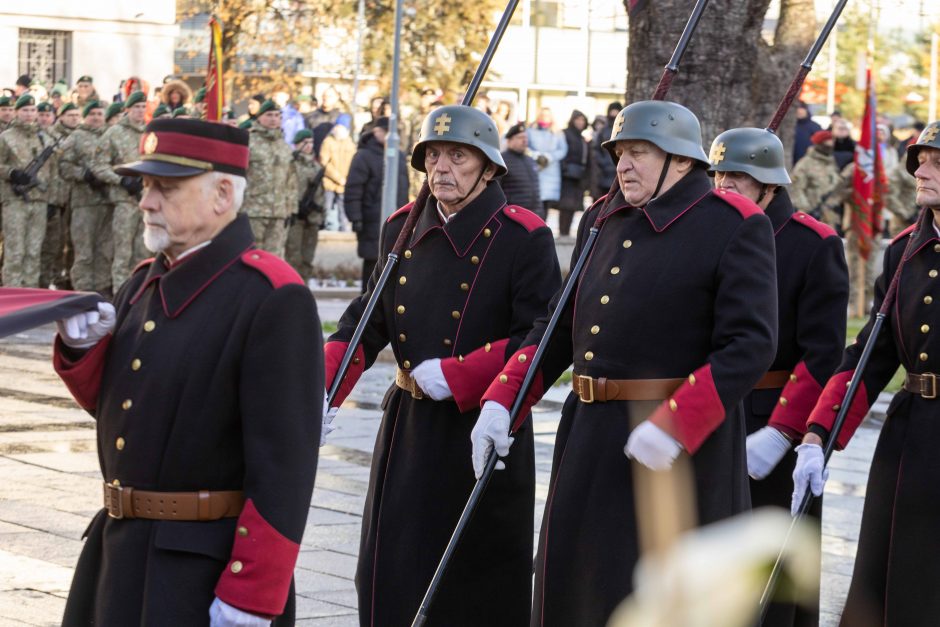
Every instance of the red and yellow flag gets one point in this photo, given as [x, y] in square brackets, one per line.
[869, 182]
[215, 98]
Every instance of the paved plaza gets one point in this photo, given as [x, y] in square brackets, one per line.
[50, 489]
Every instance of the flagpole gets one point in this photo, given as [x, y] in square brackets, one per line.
[934, 54]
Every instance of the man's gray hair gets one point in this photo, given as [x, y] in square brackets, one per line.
[238, 186]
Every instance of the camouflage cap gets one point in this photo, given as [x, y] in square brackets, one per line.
[929, 138]
[667, 125]
[459, 124]
[754, 151]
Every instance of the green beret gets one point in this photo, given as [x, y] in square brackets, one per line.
[245, 125]
[6, 101]
[26, 100]
[84, 79]
[68, 106]
[161, 109]
[44, 107]
[181, 112]
[268, 105]
[200, 95]
[92, 104]
[302, 134]
[113, 110]
[135, 98]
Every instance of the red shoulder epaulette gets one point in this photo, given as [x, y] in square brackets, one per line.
[523, 216]
[143, 264]
[904, 233]
[401, 212]
[744, 206]
[814, 225]
[274, 269]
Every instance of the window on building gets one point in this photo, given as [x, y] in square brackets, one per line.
[45, 55]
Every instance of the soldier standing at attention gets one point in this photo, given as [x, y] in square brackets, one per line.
[24, 200]
[812, 300]
[45, 116]
[475, 274]
[306, 224]
[113, 114]
[121, 144]
[6, 112]
[92, 211]
[271, 197]
[57, 247]
[668, 330]
[817, 182]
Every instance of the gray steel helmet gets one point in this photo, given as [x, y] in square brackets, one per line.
[668, 125]
[754, 151]
[929, 138]
[461, 125]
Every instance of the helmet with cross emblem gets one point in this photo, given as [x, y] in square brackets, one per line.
[459, 124]
[929, 138]
[754, 151]
[670, 126]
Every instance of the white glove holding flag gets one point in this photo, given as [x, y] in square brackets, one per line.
[430, 377]
[491, 431]
[86, 329]
[652, 447]
[329, 413]
[221, 614]
[810, 471]
[765, 448]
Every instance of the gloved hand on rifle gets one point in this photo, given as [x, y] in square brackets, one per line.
[765, 448]
[810, 471]
[490, 432]
[132, 184]
[19, 177]
[93, 181]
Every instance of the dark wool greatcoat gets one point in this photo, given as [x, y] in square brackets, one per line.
[211, 380]
[812, 300]
[898, 560]
[466, 292]
[682, 287]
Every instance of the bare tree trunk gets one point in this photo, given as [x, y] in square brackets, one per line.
[729, 76]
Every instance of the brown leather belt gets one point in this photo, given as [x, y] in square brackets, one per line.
[923, 384]
[405, 381]
[125, 502]
[601, 389]
[773, 379]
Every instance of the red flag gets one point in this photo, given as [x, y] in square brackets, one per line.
[869, 182]
[214, 96]
[25, 308]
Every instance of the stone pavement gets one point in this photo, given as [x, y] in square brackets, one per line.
[51, 489]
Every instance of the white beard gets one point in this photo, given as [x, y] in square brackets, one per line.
[156, 239]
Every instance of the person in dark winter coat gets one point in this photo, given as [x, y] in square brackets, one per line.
[604, 170]
[521, 183]
[364, 193]
[805, 127]
[575, 172]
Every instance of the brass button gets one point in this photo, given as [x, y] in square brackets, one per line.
[923, 356]
[135, 364]
[487, 347]
[256, 256]
[615, 270]
[928, 300]
[127, 404]
[503, 378]
[447, 341]
[402, 280]
[243, 531]
[406, 364]
[487, 232]
[691, 379]
[936, 248]
[455, 315]
[595, 330]
[407, 254]
[588, 356]
[933, 274]
[355, 360]
[474, 260]
[402, 337]
[119, 444]
[673, 405]
[236, 567]
[783, 401]
[149, 326]
[793, 378]
[605, 299]
[464, 287]
[627, 243]
[460, 358]
[836, 407]
[925, 328]
[116, 483]
[401, 309]
[522, 359]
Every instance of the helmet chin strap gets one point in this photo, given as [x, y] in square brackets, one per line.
[662, 176]
[472, 187]
[764, 188]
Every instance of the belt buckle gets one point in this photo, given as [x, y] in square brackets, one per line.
[589, 381]
[928, 376]
[112, 500]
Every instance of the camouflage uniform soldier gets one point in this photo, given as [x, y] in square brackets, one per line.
[902, 198]
[56, 246]
[305, 227]
[45, 116]
[121, 144]
[817, 182]
[24, 215]
[270, 197]
[113, 114]
[6, 112]
[91, 211]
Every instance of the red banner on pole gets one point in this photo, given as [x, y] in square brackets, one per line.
[215, 98]
[869, 182]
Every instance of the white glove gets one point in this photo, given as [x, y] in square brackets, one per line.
[765, 448]
[491, 431]
[221, 614]
[329, 413]
[430, 377]
[652, 447]
[810, 471]
[86, 329]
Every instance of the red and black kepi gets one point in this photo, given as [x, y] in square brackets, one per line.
[186, 147]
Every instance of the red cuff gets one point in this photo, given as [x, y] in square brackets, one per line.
[796, 402]
[333, 353]
[257, 578]
[468, 377]
[82, 377]
[693, 412]
[830, 401]
[506, 385]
